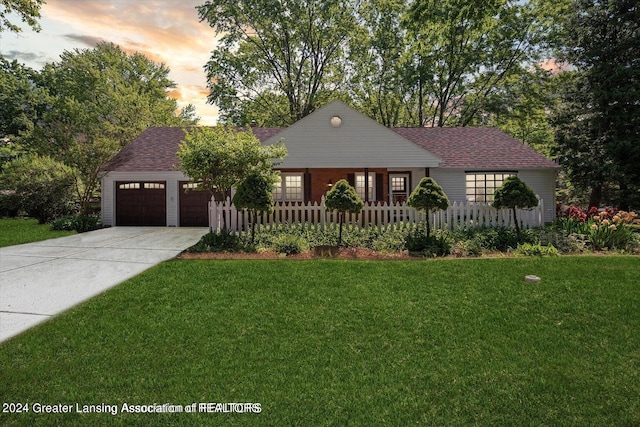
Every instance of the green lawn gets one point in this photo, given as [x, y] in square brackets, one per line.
[15, 231]
[437, 342]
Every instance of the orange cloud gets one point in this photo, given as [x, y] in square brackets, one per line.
[165, 31]
[554, 66]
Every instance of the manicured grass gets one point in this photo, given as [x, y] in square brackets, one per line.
[15, 231]
[439, 342]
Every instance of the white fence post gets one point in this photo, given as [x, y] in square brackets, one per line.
[459, 215]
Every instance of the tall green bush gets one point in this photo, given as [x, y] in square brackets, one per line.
[514, 194]
[44, 187]
[255, 193]
[343, 198]
[428, 196]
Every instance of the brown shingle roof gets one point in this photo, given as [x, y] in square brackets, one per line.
[466, 147]
[155, 149]
[476, 148]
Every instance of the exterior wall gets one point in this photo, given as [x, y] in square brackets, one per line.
[172, 179]
[452, 182]
[358, 142]
[541, 181]
[320, 179]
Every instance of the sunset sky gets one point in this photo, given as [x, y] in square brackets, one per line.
[167, 31]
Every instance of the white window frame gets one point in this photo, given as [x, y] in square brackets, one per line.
[280, 192]
[488, 184]
[359, 185]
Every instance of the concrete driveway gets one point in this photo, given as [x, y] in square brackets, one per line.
[39, 280]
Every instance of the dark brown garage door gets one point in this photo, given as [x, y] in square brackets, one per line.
[141, 203]
[194, 206]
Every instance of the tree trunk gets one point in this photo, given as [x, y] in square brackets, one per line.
[596, 196]
[515, 220]
[253, 226]
[340, 230]
[428, 225]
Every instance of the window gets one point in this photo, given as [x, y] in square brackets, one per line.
[360, 183]
[290, 188]
[153, 186]
[399, 183]
[129, 186]
[480, 186]
[192, 185]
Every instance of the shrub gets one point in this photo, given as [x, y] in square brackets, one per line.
[221, 241]
[343, 198]
[529, 249]
[44, 187]
[79, 223]
[466, 248]
[564, 241]
[289, 245]
[65, 223]
[503, 239]
[418, 242]
[84, 223]
[9, 204]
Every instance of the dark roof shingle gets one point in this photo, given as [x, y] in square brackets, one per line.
[476, 148]
[156, 147]
[464, 147]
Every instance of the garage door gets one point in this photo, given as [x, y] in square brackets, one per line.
[141, 203]
[194, 206]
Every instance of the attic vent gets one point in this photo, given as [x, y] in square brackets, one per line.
[336, 121]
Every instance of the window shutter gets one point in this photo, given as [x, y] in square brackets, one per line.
[380, 187]
[307, 186]
[351, 178]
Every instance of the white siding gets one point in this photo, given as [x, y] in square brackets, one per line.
[109, 192]
[452, 182]
[359, 142]
[541, 181]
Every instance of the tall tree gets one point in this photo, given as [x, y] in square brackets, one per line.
[464, 50]
[27, 10]
[377, 54]
[100, 99]
[21, 103]
[598, 138]
[292, 48]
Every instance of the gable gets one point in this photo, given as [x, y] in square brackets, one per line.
[351, 140]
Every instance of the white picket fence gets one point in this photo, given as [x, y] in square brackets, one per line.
[460, 215]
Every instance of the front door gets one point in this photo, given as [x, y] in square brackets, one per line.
[399, 187]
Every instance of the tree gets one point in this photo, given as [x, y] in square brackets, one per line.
[21, 102]
[255, 193]
[598, 122]
[43, 186]
[379, 86]
[291, 48]
[99, 100]
[514, 194]
[27, 10]
[428, 196]
[343, 198]
[462, 52]
[221, 157]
